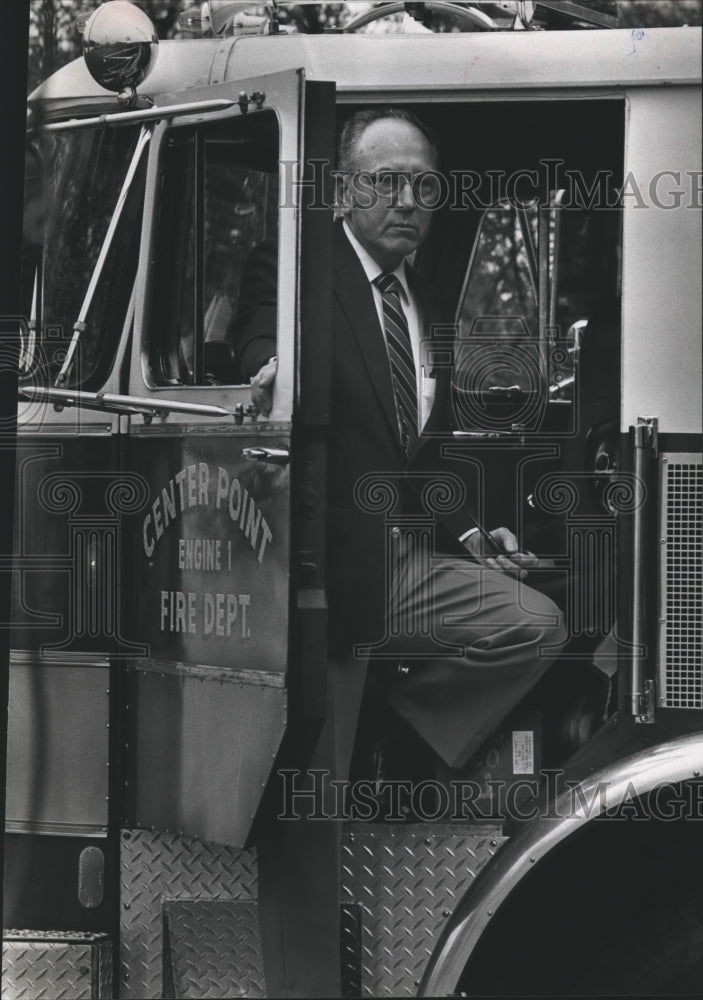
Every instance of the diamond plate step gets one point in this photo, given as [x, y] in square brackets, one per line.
[56, 965]
[407, 880]
[214, 949]
[156, 869]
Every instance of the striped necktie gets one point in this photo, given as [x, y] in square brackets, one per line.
[401, 359]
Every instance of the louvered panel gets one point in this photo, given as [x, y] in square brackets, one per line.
[681, 578]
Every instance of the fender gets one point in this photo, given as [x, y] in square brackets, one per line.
[670, 762]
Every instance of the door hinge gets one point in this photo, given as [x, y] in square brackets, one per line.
[646, 704]
[244, 100]
[646, 434]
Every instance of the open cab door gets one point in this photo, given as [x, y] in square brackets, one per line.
[212, 578]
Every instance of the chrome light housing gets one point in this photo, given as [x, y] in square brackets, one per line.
[120, 45]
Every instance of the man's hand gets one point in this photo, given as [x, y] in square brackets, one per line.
[262, 386]
[506, 555]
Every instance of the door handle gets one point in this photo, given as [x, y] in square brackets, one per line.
[275, 456]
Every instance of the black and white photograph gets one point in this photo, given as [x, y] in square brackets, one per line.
[351, 499]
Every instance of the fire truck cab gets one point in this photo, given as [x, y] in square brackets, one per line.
[169, 612]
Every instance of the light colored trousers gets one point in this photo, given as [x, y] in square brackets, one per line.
[472, 640]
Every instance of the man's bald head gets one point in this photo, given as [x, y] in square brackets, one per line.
[355, 126]
[383, 152]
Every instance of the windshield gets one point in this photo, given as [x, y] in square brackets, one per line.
[84, 175]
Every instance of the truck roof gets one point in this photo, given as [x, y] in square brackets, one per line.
[412, 65]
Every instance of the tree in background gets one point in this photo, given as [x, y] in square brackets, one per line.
[659, 13]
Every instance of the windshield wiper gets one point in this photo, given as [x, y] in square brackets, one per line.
[80, 324]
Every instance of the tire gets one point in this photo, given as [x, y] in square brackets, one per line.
[661, 956]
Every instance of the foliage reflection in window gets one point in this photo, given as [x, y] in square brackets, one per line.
[82, 176]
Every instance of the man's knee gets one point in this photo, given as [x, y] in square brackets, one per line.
[551, 633]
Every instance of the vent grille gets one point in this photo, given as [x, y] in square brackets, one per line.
[681, 610]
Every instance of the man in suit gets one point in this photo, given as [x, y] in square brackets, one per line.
[409, 579]
[473, 635]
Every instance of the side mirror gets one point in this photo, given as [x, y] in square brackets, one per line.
[120, 45]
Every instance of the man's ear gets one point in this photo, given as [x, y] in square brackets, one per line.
[342, 194]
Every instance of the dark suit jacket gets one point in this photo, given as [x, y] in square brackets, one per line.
[363, 440]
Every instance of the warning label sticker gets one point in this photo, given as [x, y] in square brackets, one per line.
[523, 751]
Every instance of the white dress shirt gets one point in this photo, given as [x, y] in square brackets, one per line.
[425, 385]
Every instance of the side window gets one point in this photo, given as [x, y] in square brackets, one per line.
[537, 278]
[503, 280]
[499, 375]
[217, 248]
[83, 212]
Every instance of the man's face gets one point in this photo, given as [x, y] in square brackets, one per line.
[391, 226]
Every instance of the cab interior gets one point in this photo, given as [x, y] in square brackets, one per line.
[526, 249]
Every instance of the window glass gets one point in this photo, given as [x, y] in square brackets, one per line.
[218, 228]
[503, 358]
[499, 376]
[84, 184]
[502, 282]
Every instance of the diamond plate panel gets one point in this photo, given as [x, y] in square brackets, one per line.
[105, 974]
[215, 949]
[56, 965]
[351, 951]
[407, 883]
[158, 867]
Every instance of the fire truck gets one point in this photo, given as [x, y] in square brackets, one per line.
[169, 670]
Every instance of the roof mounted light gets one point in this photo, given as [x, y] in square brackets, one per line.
[194, 20]
[120, 47]
[217, 18]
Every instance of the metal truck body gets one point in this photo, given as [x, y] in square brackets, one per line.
[169, 613]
